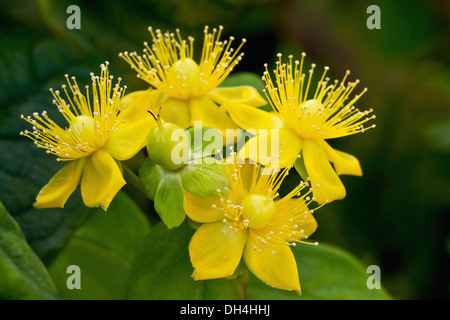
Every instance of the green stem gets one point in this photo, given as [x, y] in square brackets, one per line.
[240, 285]
[243, 279]
[131, 178]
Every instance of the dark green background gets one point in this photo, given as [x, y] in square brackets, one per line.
[396, 216]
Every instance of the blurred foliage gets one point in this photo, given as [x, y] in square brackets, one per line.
[23, 274]
[396, 216]
[345, 278]
[103, 248]
[165, 253]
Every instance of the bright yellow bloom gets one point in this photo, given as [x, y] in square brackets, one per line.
[99, 133]
[186, 90]
[252, 222]
[305, 121]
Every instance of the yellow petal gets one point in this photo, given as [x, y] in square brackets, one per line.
[175, 111]
[205, 110]
[241, 187]
[344, 163]
[56, 192]
[136, 104]
[215, 250]
[128, 140]
[324, 180]
[274, 148]
[290, 145]
[273, 264]
[101, 180]
[200, 208]
[252, 118]
[247, 95]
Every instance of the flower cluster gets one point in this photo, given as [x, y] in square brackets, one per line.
[235, 196]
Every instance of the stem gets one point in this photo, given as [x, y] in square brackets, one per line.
[243, 279]
[131, 178]
[240, 285]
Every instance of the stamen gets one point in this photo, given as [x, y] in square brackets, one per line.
[325, 114]
[79, 112]
[217, 60]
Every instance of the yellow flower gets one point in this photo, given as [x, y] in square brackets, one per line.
[99, 133]
[252, 222]
[304, 121]
[186, 90]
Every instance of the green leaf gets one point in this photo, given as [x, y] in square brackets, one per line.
[166, 188]
[29, 65]
[204, 139]
[325, 272]
[150, 175]
[23, 275]
[204, 179]
[162, 270]
[169, 199]
[244, 79]
[103, 248]
[46, 230]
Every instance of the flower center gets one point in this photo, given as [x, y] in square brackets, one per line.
[310, 107]
[258, 210]
[82, 128]
[309, 119]
[185, 74]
